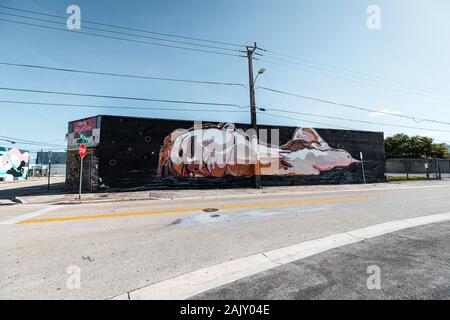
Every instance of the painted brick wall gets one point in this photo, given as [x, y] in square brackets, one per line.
[91, 179]
[128, 155]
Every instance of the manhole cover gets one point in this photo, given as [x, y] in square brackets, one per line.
[210, 210]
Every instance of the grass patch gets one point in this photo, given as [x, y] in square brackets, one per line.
[404, 178]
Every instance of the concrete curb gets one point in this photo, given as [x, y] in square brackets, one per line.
[263, 192]
[73, 199]
[7, 202]
[199, 281]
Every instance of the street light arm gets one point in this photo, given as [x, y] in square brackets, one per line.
[261, 71]
[256, 78]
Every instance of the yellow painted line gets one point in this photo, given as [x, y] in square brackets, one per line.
[244, 206]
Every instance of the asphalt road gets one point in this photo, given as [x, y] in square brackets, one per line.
[116, 248]
[412, 264]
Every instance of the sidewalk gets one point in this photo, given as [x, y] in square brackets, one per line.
[61, 198]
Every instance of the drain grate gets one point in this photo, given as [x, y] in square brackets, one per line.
[208, 210]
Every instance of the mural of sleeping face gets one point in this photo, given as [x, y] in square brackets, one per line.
[222, 150]
[13, 164]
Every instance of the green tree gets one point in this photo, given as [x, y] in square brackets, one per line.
[404, 146]
[439, 151]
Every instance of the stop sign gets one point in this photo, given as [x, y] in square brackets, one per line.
[82, 151]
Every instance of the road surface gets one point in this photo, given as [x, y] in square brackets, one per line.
[412, 264]
[111, 249]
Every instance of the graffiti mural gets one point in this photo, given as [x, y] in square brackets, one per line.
[85, 131]
[152, 153]
[222, 150]
[13, 164]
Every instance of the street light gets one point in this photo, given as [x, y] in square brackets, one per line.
[261, 71]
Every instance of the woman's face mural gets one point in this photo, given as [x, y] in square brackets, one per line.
[13, 164]
[223, 150]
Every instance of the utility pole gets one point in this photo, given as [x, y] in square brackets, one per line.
[256, 172]
[49, 155]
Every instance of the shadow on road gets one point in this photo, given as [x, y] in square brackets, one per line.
[36, 190]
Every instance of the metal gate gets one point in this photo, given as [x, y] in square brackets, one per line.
[443, 169]
[438, 169]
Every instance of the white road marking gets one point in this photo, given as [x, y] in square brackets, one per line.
[415, 222]
[7, 202]
[202, 280]
[29, 215]
[379, 229]
[196, 282]
[299, 192]
[310, 248]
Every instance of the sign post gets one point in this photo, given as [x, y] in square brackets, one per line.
[82, 155]
[49, 168]
[363, 171]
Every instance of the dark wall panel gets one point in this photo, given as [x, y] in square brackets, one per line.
[129, 148]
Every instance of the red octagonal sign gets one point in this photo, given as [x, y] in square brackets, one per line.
[82, 151]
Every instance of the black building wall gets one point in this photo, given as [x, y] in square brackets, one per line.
[128, 156]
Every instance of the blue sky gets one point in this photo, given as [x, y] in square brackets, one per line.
[411, 47]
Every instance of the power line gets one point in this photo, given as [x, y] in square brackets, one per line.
[187, 110]
[13, 141]
[18, 140]
[28, 142]
[55, 140]
[127, 28]
[221, 111]
[31, 103]
[9, 141]
[370, 77]
[123, 39]
[353, 106]
[339, 77]
[332, 125]
[120, 75]
[124, 33]
[122, 97]
[359, 73]
[37, 144]
[32, 141]
[355, 120]
[297, 119]
[182, 80]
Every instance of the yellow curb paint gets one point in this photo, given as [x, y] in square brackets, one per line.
[244, 206]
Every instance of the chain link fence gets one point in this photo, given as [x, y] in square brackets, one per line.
[437, 169]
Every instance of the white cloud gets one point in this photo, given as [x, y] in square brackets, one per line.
[384, 112]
